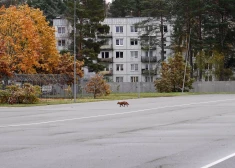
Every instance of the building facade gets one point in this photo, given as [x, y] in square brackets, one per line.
[125, 56]
[62, 33]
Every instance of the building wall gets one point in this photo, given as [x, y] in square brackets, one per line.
[128, 74]
[126, 35]
[62, 34]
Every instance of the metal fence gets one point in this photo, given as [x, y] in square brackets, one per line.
[214, 87]
[55, 86]
[52, 85]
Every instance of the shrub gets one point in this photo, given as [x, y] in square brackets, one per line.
[28, 94]
[163, 85]
[173, 76]
[98, 86]
[4, 95]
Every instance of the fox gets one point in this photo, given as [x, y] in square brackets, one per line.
[123, 103]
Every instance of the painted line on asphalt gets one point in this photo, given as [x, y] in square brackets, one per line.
[106, 115]
[219, 161]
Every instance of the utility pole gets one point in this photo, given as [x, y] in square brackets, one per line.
[74, 50]
[149, 60]
[186, 59]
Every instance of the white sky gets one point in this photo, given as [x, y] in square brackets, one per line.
[108, 0]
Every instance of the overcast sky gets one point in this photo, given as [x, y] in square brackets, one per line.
[108, 0]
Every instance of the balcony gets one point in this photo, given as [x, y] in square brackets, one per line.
[106, 73]
[108, 60]
[104, 35]
[106, 47]
[148, 59]
[146, 72]
[146, 48]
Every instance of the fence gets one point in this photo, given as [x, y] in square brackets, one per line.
[55, 86]
[52, 85]
[214, 86]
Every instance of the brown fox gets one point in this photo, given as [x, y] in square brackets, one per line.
[123, 103]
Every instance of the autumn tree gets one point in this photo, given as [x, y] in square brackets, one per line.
[28, 40]
[172, 76]
[98, 86]
[66, 66]
[28, 43]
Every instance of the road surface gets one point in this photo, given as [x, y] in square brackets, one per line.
[168, 132]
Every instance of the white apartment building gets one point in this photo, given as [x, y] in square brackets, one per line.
[62, 30]
[123, 55]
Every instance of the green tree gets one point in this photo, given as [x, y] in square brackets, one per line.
[123, 8]
[8, 3]
[172, 75]
[204, 27]
[156, 10]
[221, 73]
[51, 8]
[98, 86]
[89, 15]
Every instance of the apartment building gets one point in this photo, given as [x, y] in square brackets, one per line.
[124, 54]
[62, 33]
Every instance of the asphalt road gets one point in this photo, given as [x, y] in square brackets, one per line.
[168, 132]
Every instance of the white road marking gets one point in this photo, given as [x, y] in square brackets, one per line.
[219, 161]
[105, 115]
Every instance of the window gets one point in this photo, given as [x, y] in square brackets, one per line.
[164, 52]
[147, 53]
[105, 54]
[119, 54]
[165, 28]
[119, 67]
[148, 79]
[106, 42]
[119, 29]
[134, 54]
[119, 79]
[148, 28]
[61, 43]
[119, 42]
[61, 30]
[208, 66]
[134, 78]
[90, 69]
[148, 66]
[134, 29]
[134, 67]
[134, 41]
[106, 68]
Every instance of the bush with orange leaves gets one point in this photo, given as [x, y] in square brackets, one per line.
[98, 86]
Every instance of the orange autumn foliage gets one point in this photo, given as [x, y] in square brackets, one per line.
[28, 43]
[98, 86]
[66, 66]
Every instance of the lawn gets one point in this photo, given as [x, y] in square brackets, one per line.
[112, 96]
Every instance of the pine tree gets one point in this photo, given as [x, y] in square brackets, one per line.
[156, 10]
[203, 28]
[123, 8]
[89, 15]
[51, 8]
